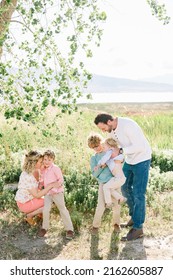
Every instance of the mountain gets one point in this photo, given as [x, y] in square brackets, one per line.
[110, 84]
[166, 79]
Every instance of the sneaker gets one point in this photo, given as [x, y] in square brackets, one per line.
[42, 232]
[133, 234]
[30, 221]
[94, 230]
[69, 234]
[117, 228]
[128, 224]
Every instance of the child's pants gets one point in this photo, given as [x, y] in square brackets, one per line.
[112, 188]
[101, 208]
[58, 199]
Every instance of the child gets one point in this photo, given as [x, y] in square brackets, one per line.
[52, 175]
[28, 197]
[104, 177]
[114, 160]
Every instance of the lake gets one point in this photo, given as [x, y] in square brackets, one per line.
[128, 97]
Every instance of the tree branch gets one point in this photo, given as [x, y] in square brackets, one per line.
[7, 9]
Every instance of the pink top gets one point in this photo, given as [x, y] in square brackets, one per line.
[50, 175]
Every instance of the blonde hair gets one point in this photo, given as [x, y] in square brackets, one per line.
[111, 142]
[94, 140]
[50, 154]
[30, 161]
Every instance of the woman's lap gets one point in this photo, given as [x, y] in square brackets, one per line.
[31, 205]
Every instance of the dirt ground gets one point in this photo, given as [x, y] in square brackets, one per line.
[20, 241]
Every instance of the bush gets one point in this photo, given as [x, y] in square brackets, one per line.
[163, 159]
[81, 191]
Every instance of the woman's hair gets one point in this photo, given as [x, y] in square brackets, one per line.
[111, 142]
[30, 161]
[94, 140]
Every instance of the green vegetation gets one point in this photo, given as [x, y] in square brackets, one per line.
[67, 136]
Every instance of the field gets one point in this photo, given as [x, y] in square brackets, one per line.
[67, 136]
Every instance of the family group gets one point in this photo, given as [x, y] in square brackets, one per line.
[120, 164]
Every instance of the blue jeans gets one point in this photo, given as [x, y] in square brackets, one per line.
[134, 189]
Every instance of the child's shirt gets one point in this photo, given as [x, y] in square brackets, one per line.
[107, 157]
[50, 175]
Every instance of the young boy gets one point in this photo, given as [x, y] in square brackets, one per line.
[114, 159]
[104, 177]
[52, 175]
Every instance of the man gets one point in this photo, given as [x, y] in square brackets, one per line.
[137, 151]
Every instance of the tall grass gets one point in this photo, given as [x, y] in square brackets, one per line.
[67, 136]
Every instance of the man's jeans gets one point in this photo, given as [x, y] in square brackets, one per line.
[134, 190]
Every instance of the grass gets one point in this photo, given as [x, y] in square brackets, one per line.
[67, 136]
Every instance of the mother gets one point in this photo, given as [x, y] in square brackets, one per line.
[28, 196]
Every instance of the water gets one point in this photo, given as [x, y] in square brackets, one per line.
[128, 97]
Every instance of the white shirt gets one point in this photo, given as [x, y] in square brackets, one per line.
[131, 138]
[26, 182]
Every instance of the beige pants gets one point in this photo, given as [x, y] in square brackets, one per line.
[112, 188]
[58, 199]
[101, 208]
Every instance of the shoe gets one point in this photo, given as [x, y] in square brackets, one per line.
[128, 224]
[40, 216]
[42, 232]
[69, 234]
[30, 221]
[117, 228]
[94, 230]
[133, 234]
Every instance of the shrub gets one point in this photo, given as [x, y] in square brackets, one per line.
[163, 159]
[81, 191]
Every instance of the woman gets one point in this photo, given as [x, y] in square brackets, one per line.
[28, 196]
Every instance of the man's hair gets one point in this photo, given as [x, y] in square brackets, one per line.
[94, 140]
[103, 118]
[49, 154]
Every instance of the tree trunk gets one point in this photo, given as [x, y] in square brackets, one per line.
[7, 9]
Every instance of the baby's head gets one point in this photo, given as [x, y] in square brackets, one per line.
[48, 158]
[110, 143]
[33, 160]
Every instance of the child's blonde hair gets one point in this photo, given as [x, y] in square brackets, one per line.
[30, 161]
[49, 154]
[111, 142]
[94, 140]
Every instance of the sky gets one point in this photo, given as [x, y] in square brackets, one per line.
[135, 44]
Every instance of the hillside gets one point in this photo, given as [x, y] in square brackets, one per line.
[110, 84]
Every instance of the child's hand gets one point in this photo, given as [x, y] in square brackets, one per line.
[40, 186]
[96, 167]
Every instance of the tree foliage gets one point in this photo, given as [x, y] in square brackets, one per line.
[159, 11]
[44, 44]
[40, 65]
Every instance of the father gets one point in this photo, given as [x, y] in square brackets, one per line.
[137, 151]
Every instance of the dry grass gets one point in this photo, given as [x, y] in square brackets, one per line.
[20, 241]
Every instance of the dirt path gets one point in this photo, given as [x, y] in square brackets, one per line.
[106, 245]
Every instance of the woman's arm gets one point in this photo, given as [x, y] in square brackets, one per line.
[37, 194]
